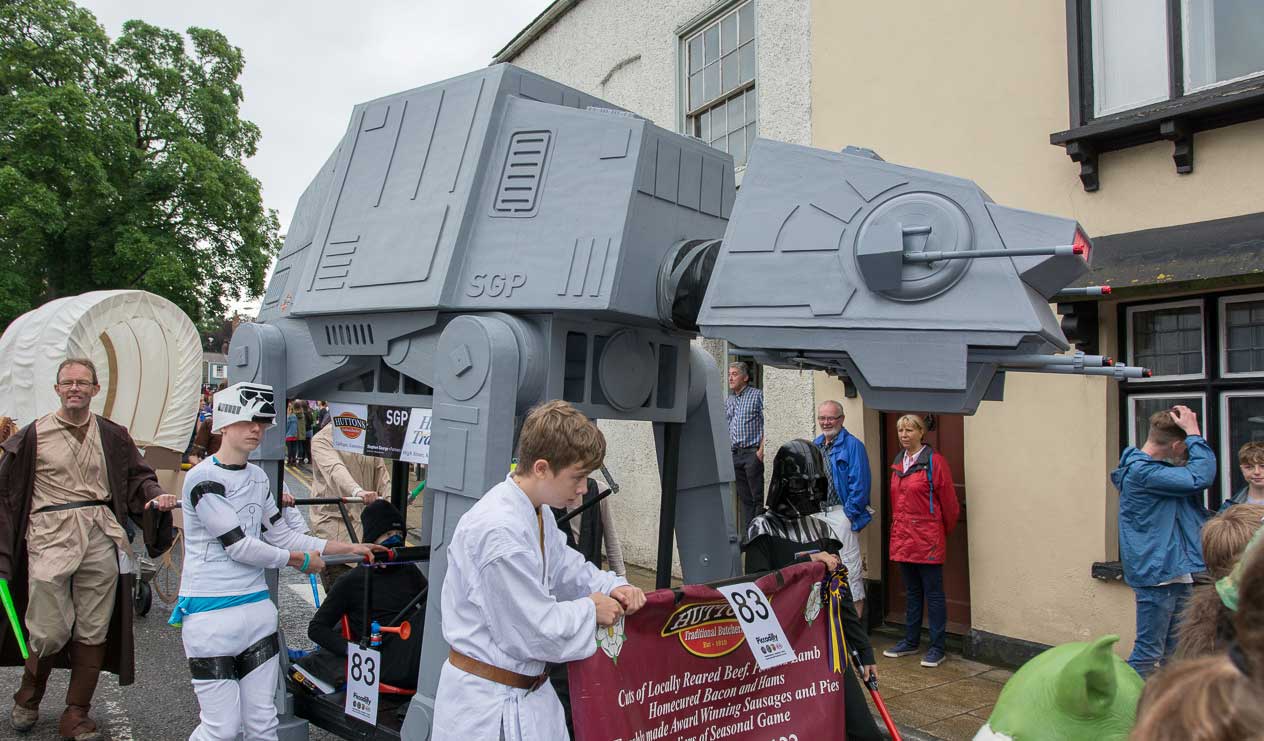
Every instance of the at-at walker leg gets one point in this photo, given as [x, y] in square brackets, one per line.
[472, 433]
[697, 502]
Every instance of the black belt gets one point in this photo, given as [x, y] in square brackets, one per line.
[71, 505]
[236, 667]
[740, 449]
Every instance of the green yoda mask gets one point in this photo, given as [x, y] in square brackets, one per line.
[1070, 692]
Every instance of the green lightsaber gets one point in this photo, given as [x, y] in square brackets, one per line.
[13, 617]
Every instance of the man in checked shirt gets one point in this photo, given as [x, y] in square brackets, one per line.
[744, 408]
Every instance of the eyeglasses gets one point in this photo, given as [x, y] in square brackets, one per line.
[76, 384]
[828, 419]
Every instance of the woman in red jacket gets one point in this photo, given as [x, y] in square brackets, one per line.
[923, 511]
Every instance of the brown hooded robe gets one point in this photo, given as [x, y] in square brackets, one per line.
[132, 484]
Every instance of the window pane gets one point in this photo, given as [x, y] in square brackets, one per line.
[719, 121]
[736, 116]
[695, 91]
[747, 54]
[695, 54]
[1168, 341]
[712, 36]
[746, 24]
[721, 144]
[750, 136]
[737, 147]
[751, 106]
[1245, 420]
[1244, 336]
[1222, 41]
[711, 88]
[704, 130]
[728, 33]
[1130, 66]
[1143, 408]
[731, 71]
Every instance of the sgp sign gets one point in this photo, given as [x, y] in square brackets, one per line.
[495, 285]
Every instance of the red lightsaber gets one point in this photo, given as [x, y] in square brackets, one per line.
[872, 684]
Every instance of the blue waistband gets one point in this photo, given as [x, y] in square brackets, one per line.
[193, 605]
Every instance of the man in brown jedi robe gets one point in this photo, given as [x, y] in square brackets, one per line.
[67, 483]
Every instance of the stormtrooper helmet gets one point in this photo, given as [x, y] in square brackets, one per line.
[243, 402]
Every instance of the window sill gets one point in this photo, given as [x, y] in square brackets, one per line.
[1171, 120]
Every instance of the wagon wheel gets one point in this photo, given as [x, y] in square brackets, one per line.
[167, 579]
[142, 599]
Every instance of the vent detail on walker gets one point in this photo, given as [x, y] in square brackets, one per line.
[524, 168]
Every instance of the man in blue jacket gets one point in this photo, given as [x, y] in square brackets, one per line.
[1160, 519]
[847, 505]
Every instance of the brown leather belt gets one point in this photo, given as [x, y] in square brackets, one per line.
[495, 673]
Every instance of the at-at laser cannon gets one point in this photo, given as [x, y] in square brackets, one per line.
[483, 244]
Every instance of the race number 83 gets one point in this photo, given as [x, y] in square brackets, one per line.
[751, 605]
[364, 669]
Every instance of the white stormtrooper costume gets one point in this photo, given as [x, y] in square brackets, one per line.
[233, 531]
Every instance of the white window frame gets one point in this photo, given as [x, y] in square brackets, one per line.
[1229, 457]
[687, 33]
[1131, 310]
[1132, 409]
[1223, 348]
[1210, 48]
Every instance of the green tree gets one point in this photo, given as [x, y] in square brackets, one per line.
[122, 164]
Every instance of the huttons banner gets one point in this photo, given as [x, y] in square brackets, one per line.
[681, 669]
[397, 433]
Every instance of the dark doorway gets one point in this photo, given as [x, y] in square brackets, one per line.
[946, 434]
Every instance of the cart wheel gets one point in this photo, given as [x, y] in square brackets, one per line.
[143, 598]
[166, 580]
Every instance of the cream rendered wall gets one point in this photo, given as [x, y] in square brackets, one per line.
[975, 89]
[627, 53]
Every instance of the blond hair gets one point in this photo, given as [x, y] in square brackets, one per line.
[560, 435]
[911, 420]
[1225, 537]
[7, 428]
[1205, 699]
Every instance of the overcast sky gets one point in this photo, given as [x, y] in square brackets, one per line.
[309, 61]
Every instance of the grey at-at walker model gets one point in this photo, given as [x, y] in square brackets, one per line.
[488, 242]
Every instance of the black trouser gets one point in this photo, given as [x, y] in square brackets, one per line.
[860, 723]
[749, 471]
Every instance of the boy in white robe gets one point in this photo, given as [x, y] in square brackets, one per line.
[516, 598]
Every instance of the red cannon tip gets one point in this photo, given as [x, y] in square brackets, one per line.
[1105, 290]
[404, 630]
[1078, 249]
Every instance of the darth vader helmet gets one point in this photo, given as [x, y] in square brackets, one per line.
[799, 484]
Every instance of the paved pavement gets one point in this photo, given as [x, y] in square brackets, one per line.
[950, 702]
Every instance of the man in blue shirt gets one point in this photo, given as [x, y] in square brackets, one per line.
[1160, 519]
[847, 504]
[744, 408]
